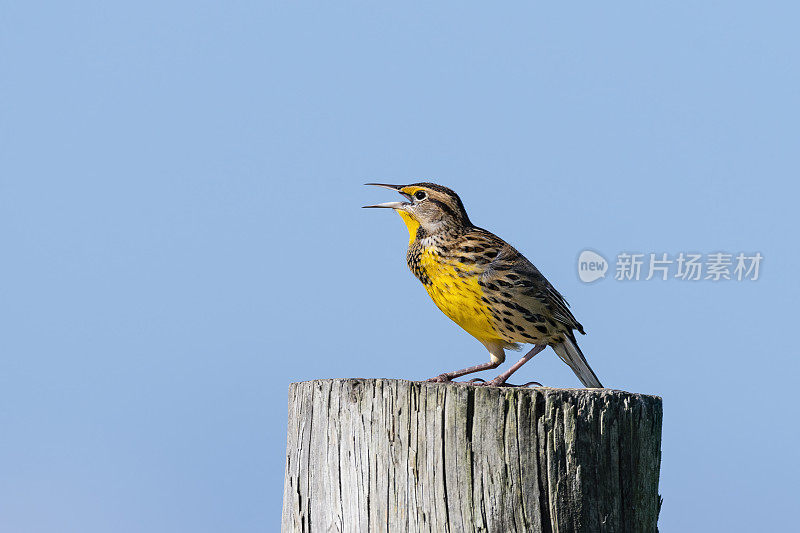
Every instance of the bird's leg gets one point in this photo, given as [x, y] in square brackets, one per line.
[501, 379]
[449, 376]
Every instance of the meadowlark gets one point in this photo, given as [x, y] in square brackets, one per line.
[483, 284]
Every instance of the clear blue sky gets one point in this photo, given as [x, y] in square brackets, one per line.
[181, 232]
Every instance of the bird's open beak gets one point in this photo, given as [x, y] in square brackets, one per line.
[390, 205]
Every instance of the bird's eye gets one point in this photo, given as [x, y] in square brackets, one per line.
[420, 195]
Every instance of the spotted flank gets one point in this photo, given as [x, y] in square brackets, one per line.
[489, 289]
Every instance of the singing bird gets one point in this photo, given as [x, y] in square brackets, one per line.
[483, 284]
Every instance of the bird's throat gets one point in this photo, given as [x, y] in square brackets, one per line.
[411, 224]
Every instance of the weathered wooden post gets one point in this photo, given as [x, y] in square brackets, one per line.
[368, 455]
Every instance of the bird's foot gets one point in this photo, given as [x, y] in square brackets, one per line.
[441, 378]
[491, 383]
[528, 384]
[498, 383]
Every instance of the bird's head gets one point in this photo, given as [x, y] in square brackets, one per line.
[429, 207]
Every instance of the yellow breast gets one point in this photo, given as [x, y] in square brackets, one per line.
[454, 289]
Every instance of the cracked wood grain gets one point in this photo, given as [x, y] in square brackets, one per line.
[392, 455]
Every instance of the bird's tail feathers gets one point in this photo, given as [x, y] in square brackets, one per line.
[569, 352]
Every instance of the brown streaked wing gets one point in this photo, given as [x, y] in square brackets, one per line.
[508, 269]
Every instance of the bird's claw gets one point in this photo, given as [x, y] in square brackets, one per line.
[491, 383]
[441, 378]
[480, 382]
[494, 383]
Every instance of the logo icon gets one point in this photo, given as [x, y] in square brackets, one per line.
[591, 266]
